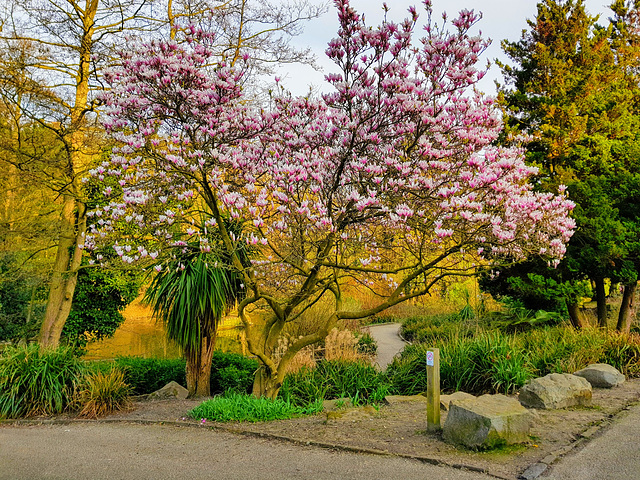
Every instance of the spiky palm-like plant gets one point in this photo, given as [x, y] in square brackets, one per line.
[190, 295]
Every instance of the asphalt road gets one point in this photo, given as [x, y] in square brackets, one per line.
[95, 451]
[612, 455]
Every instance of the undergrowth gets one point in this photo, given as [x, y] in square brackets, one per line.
[476, 359]
[37, 381]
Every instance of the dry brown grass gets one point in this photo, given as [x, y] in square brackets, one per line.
[343, 345]
[103, 393]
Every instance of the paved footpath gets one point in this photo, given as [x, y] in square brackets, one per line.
[96, 451]
[613, 455]
[389, 342]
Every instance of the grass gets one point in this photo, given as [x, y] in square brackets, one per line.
[237, 407]
[477, 359]
[359, 381]
[102, 393]
[36, 381]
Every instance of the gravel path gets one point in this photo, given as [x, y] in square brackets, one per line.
[389, 342]
[99, 451]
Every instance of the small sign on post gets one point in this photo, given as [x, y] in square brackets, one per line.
[433, 390]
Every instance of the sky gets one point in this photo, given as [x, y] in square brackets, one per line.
[502, 19]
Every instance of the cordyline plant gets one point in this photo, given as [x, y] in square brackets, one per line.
[390, 182]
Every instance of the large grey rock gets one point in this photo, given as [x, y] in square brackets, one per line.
[556, 390]
[601, 375]
[170, 390]
[445, 400]
[487, 422]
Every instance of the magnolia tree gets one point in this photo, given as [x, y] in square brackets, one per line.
[390, 182]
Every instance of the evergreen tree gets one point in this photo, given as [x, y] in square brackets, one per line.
[571, 89]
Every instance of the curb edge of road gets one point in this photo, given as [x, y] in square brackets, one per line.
[533, 471]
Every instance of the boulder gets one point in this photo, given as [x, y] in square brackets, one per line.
[556, 390]
[170, 390]
[487, 422]
[601, 375]
[396, 399]
[445, 400]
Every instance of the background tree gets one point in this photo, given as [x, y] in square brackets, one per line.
[99, 299]
[389, 183]
[53, 57]
[569, 91]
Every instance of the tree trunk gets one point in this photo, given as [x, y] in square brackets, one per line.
[601, 300]
[625, 317]
[199, 369]
[575, 315]
[266, 384]
[65, 271]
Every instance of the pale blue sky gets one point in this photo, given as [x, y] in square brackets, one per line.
[501, 19]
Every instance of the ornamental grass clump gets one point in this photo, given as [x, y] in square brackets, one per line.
[236, 407]
[102, 393]
[37, 381]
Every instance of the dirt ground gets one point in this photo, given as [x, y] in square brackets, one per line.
[400, 429]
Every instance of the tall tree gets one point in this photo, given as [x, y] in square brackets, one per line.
[569, 91]
[57, 52]
[390, 181]
[62, 46]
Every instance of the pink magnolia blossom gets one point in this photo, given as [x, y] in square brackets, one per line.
[390, 175]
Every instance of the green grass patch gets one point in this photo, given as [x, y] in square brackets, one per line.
[359, 381]
[236, 407]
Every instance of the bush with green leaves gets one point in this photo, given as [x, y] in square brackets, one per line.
[37, 381]
[235, 407]
[99, 299]
[232, 372]
[146, 375]
[335, 379]
[229, 372]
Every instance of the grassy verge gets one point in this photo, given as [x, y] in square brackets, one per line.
[477, 359]
[246, 408]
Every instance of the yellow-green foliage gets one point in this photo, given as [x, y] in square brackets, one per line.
[101, 393]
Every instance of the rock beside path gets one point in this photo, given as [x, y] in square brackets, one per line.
[445, 400]
[170, 390]
[601, 375]
[556, 390]
[396, 399]
[487, 422]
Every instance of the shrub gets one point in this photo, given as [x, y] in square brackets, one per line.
[146, 375]
[335, 379]
[494, 361]
[229, 371]
[238, 407]
[102, 393]
[232, 372]
[35, 381]
[488, 362]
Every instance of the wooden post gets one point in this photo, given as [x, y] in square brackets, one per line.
[433, 390]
